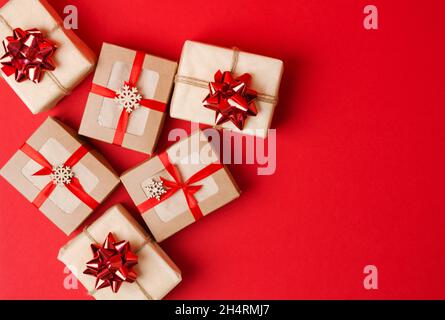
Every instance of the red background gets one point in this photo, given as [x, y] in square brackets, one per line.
[360, 156]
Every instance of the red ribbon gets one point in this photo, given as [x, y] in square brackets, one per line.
[124, 116]
[28, 54]
[176, 185]
[112, 264]
[231, 98]
[74, 186]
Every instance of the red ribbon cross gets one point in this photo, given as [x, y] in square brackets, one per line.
[124, 116]
[75, 187]
[177, 184]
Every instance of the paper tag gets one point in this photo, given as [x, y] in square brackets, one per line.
[111, 111]
[175, 205]
[56, 154]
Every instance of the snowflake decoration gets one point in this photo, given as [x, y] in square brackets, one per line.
[155, 189]
[61, 175]
[128, 98]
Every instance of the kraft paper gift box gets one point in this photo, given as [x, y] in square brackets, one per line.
[156, 273]
[104, 115]
[209, 185]
[197, 67]
[32, 171]
[73, 60]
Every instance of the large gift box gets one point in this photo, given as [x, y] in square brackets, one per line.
[60, 175]
[129, 265]
[226, 88]
[180, 185]
[128, 98]
[43, 61]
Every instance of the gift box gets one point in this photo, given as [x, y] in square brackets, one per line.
[60, 175]
[128, 98]
[180, 185]
[226, 88]
[72, 59]
[152, 277]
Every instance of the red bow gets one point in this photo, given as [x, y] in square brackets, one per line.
[176, 185]
[72, 185]
[27, 55]
[147, 103]
[112, 264]
[231, 98]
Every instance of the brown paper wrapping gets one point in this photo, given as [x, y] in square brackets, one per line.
[157, 274]
[73, 59]
[173, 214]
[63, 208]
[151, 121]
[201, 61]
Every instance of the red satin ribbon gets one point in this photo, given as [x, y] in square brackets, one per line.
[176, 185]
[75, 187]
[124, 116]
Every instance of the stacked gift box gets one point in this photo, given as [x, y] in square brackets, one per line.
[63, 177]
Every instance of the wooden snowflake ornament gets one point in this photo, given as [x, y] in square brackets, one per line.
[155, 189]
[61, 175]
[128, 98]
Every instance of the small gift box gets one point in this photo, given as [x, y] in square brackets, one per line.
[60, 175]
[128, 98]
[229, 88]
[180, 185]
[43, 61]
[115, 259]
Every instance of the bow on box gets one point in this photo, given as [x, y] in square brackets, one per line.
[28, 55]
[61, 175]
[128, 98]
[112, 264]
[231, 98]
[187, 187]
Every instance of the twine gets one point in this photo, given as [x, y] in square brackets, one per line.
[3, 20]
[191, 81]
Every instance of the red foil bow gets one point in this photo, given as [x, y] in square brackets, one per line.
[231, 98]
[28, 55]
[73, 185]
[112, 264]
[124, 116]
[177, 184]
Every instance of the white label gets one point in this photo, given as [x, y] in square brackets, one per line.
[111, 111]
